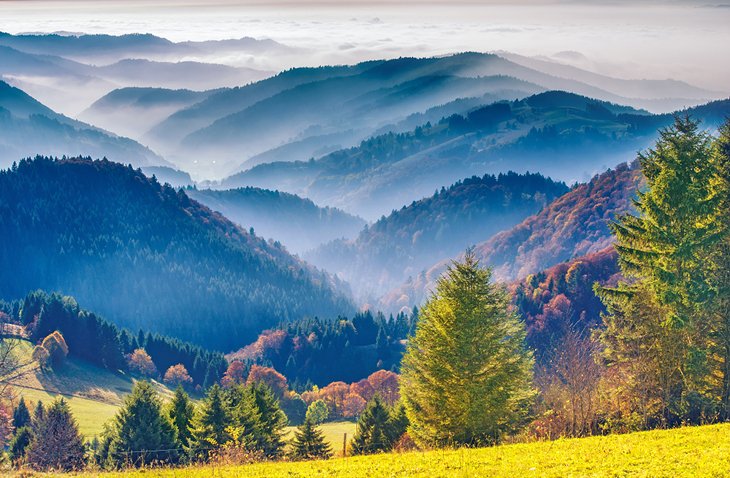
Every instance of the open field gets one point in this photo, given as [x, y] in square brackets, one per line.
[333, 433]
[693, 451]
[93, 394]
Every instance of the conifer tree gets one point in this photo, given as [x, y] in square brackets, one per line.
[21, 415]
[273, 421]
[57, 444]
[181, 412]
[39, 413]
[309, 443]
[209, 427]
[466, 376]
[19, 444]
[142, 433]
[373, 433]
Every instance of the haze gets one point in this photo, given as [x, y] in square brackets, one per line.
[656, 40]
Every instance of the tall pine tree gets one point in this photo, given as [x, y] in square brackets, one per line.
[57, 443]
[181, 412]
[209, 427]
[309, 443]
[466, 376]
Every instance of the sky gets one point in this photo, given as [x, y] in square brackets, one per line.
[629, 39]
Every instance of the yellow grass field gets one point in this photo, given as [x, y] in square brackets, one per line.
[685, 452]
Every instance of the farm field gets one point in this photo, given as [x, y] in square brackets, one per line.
[692, 451]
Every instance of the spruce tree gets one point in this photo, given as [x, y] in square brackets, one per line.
[309, 443]
[57, 444]
[181, 412]
[19, 444]
[466, 375]
[21, 415]
[209, 427]
[373, 434]
[273, 421]
[142, 433]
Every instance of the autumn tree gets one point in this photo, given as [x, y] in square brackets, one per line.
[309, 443]
[468, 321]
[57, 349]
[140, 362]
[177, 375]
[57, 443]
[235, 374]
[353, 405]
[268, 376]
[385, 384]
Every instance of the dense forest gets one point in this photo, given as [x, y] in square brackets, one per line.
[386, 253]
[147, 256]
[571, 226]
[93, 339]
[563, 135]
[296, 222]
[317, 352]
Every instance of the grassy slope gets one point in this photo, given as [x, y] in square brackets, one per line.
[693, 451]
[94, 394]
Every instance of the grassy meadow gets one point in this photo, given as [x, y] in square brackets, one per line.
[693, 451]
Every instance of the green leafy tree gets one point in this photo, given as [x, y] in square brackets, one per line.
[142, 433]
[209, 427]
[57, 444]
[373, 433]
[466, 376]
[317, 412]
[309, 443]
[181, 412]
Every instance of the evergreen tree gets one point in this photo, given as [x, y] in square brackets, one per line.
[272, 419]
[246, 416]
[181, 412]
[666, 250]
[721, 262]
[57, 444]
[19, 444]
[39, 413]
[466, 375]
[142, 433]
[309, 443]
[373, 434]
[21, 415]
[209, 427]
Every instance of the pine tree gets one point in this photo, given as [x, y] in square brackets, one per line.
[309, 443]
[142, 433]
[19, 444]
[209, 427]
[21, 415]
[181, 412]
[272, 419]
[466, 376]
[39, 413]
[57, 444]
[666, 249]
[372, 434]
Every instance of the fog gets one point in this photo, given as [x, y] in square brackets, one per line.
[646, 39]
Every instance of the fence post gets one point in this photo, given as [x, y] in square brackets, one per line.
[344, 445]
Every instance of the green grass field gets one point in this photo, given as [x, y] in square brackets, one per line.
[93, 394]
[692, 452]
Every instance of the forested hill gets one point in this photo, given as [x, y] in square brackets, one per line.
[29, 127]
[147, 255]
[296, 222]
[403, 243]
[573, 225]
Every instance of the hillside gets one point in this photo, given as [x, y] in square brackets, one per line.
[691, 451]
[147, 256]
[93, 394]
[386, 253]
[573, 225]
[30, 128]
[297, 223]
[562, 135]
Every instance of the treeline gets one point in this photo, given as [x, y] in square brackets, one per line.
[147, 256]
[100, 342]
[316, 351]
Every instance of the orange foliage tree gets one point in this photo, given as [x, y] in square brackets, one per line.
[269, 376]
[178, 375]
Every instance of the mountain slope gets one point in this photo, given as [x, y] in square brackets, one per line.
[401, 244]
[30, 128]
[573, 225]
[145, 255]
[297, 223]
